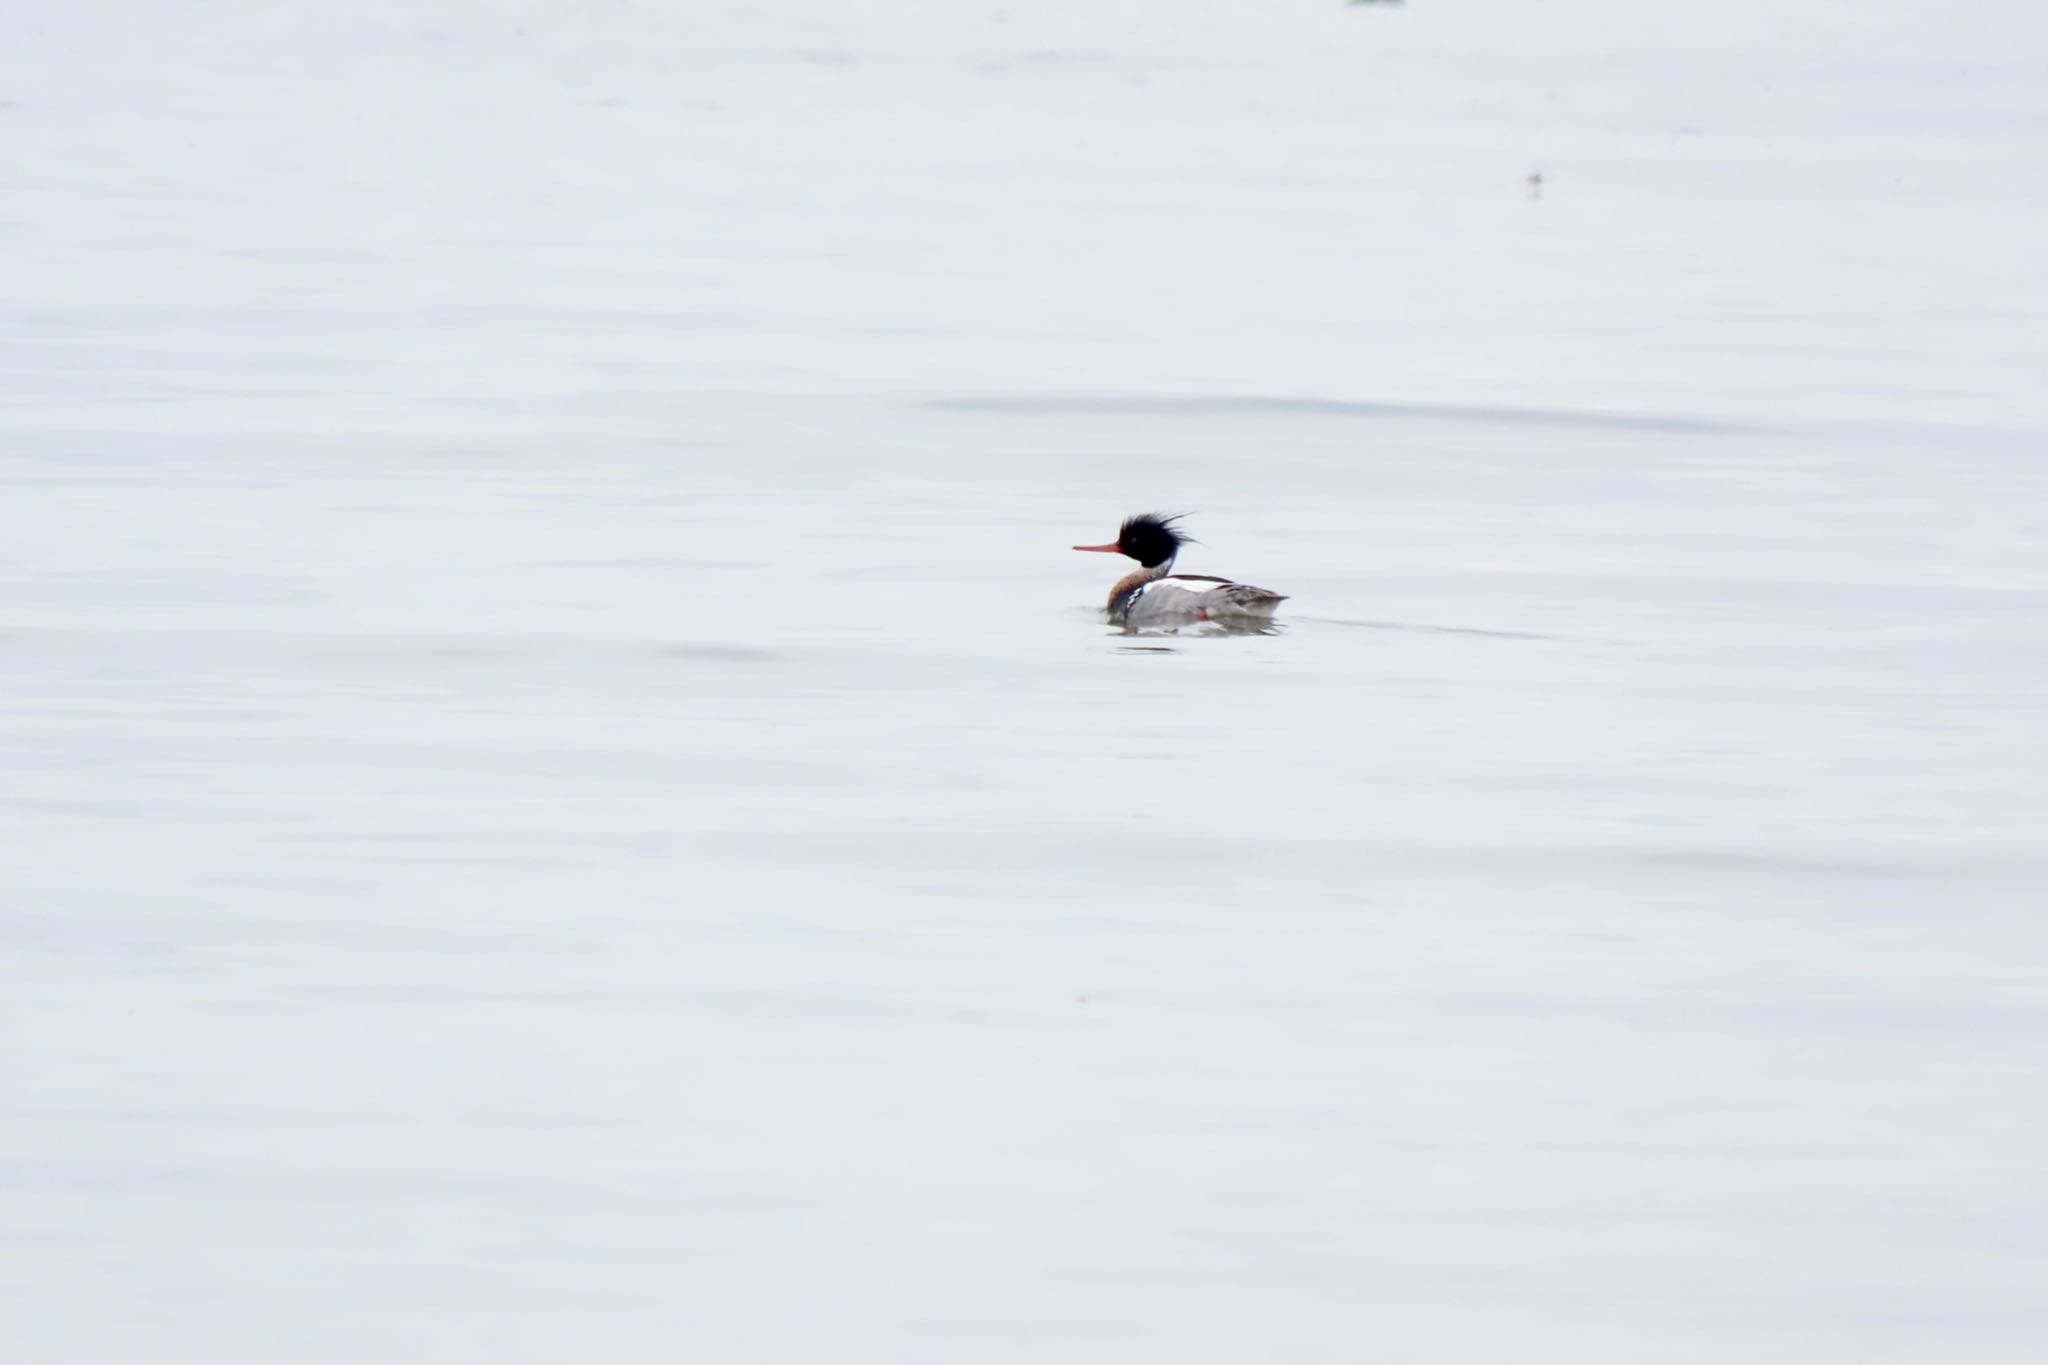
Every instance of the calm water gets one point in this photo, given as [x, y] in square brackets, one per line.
[568, 798]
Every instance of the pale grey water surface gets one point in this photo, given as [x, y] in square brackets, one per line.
[566, 799]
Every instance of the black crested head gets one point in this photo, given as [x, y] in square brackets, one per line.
[1150, 539]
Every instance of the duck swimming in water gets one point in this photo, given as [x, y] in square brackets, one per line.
[1155, 596]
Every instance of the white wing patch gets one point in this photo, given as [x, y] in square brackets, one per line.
[1191, 584]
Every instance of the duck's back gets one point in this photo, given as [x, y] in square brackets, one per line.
[1183, 599]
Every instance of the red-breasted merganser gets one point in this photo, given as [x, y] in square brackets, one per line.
[1155, 596]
